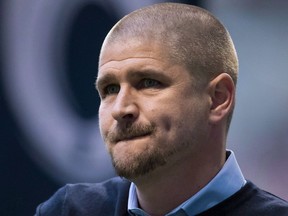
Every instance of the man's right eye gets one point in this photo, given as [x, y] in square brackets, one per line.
[111, 89]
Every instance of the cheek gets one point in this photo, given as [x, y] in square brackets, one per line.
[103, 119]
[179, 117]
[166, 113]
[167, 119]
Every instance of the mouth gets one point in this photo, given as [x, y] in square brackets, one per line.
[132, 137]
[130, 133]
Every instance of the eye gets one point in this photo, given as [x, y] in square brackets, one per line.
[149, 83]
[111, 89]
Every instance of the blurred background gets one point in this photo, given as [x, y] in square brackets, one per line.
[48, 64]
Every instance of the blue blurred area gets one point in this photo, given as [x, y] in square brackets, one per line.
[23, 183]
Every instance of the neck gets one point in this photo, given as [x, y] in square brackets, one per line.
[167, 187]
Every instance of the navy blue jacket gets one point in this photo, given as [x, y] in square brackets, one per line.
[110, 199]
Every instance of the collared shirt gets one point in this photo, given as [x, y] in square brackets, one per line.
[227, 182]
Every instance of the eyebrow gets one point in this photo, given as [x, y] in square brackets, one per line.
[107, 78]
[110, 77]
[145, 73]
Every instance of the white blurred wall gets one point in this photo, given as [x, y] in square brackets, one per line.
[259, 132]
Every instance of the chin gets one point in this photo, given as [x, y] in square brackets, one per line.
[132, 166]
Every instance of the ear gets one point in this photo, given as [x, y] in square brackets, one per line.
[222, 94]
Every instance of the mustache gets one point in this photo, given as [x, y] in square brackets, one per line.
[129, 132]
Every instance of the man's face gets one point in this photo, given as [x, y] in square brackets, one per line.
[150, 115]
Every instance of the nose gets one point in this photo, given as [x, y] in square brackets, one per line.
[125, 108]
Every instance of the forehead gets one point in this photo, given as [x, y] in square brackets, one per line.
[122, 49]
[134, 58]
[132, 55]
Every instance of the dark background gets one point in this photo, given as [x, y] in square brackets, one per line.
[24, 184]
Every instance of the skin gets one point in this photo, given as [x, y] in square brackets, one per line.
[150, 109]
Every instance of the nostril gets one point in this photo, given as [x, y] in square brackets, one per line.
[128, 116]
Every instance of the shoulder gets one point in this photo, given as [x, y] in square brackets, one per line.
[251, 200]
[266, 202]
[114, 186]
[106, 198]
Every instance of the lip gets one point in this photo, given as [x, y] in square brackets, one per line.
[133, 138]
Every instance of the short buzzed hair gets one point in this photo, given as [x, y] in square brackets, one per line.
[190, 35]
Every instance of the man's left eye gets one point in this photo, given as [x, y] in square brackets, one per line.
[148, 83]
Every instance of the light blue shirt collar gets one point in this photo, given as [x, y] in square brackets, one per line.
[227, 182]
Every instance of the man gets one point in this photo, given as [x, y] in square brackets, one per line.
[167, 76]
